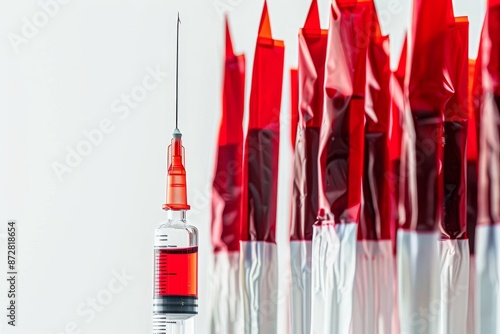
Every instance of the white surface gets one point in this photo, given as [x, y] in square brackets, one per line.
[418, 282]
[259, 274]
[333, 269]
[487, 278]
[373, 290]
[300, 263]
[227, 305]
[454, 256]
[101, 217]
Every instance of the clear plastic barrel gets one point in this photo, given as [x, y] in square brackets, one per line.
[175, 296]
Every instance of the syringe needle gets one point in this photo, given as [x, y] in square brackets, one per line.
[177, 76]
[176, 242]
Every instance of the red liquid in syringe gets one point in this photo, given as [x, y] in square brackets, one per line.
[176, 272]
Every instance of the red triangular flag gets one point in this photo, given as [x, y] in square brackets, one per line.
[265, 24]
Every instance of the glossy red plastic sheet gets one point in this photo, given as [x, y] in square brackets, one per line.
[342, 130]
[294, 108]
[228, 178]
[472, 138]
[477, 93]
[262, 141]
[489, 143]
[454, 224]
[397, 106]
[428, 89]
[396, 134]
[472, 158]
[311, 73]
[376, 217]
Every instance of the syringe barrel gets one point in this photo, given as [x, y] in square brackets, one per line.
[175, 294]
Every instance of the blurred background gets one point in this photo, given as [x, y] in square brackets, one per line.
[98, 77]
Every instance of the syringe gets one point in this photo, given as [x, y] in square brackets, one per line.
[175, 296]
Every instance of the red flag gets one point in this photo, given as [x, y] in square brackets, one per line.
[262, 142]
[427, 90]
[342, 131]
[227, 185]
[340, 168]
[455, 130]
[397, 112]
[376, 216]
[454, 246]
[472, 157]
[227, 316]
[311, 73]
[258, 234]
[374, 282]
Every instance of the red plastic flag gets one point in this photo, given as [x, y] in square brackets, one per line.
[373, 294]
[311, 75]
[227, 185]
[472, 159]
[376, 216]
[487, 250]
[454, 246]
[397, 111]
[258, 233]
[262, 142]
[455, 133]
[227, 198]
[340, 168]
[472, 156]
[427, 90]
[342, 132]
[312, 53]
[397, 180]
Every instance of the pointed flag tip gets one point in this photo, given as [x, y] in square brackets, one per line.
[229, 43]
[265, 23]
[312, 20]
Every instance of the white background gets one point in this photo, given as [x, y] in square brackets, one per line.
[99, 218]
